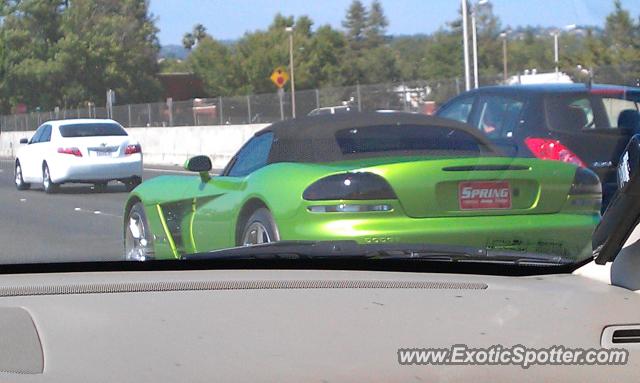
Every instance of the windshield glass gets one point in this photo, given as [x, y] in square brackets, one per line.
[156, 130]
[91, 130]
[377, 139]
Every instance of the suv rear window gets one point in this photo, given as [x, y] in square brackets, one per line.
[407, 138]
[92, 130]
[573, 113]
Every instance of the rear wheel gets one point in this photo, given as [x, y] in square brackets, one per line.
[100, 187]
[138, 245]
[49, 186]
[132, 183]
[20, 184]
[260, 228]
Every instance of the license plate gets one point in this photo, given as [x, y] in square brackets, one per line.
[481, 195]
[102, 154]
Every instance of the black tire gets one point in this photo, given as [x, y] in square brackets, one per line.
[100, 187]
[136, 229]
[19, 181]
[132, 183]
[49, 186]
[259, 228]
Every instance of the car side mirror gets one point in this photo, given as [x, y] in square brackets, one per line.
[200, 164]
[24, 140]
[623, 212]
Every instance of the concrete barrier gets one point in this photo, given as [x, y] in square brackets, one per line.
[170, 146]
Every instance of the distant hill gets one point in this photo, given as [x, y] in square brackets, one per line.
[173, 51]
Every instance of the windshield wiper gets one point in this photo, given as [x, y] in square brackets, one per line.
[353, 250]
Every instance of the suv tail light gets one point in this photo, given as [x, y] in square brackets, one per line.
[549, 149]
[586, 182]
[132, 149]
[73, 151]
[349, 186]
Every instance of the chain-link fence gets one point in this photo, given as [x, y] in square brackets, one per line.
[413, 96]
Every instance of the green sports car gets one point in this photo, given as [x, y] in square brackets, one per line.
[388, 178]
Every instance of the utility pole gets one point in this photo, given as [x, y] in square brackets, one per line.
[293, 81]
[465, 42]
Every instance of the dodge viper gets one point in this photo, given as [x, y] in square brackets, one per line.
[371, 178]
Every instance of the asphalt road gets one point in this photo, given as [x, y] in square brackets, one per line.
[76, 224]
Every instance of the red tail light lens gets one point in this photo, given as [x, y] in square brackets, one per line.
[73, 151]
[131, 149]
[548, 149]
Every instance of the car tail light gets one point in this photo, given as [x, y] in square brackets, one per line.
[132, 149]
[74, 151]
[548, 149]
[349, 186]
[586, 182]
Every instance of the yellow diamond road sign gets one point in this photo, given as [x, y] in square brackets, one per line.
[280, 76]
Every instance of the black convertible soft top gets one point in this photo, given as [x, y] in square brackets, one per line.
[313, 138]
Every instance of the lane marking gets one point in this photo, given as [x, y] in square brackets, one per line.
[23, 199]
[96, 212]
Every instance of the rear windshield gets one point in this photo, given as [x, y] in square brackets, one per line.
[92, 130]
[408, 138]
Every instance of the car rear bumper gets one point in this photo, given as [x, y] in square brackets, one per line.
[562, 234]
[96, 169]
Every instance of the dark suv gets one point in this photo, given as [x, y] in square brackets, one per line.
[585, 125]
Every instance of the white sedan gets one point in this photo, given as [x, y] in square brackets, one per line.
[81, 150]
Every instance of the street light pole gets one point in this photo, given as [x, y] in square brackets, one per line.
[293, 81]
[474, 39]
[465, 42]
[504, 56]
[555, 51]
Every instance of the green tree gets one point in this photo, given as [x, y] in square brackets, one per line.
[355, 23]
[213, 63]
[376, 25]
[30, 32]
[190, 39]
[108, 45]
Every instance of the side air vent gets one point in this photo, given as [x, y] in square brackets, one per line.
[626, 336]
[144, 287]
[476, 168]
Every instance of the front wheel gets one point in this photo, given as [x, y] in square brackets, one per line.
[19, 181]
[260, 228]
[49, 186]
[138, 245]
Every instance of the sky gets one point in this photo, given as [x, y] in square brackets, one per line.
[230, 19]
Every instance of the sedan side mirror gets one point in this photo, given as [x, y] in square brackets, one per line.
[200, 164]
[24, 140]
